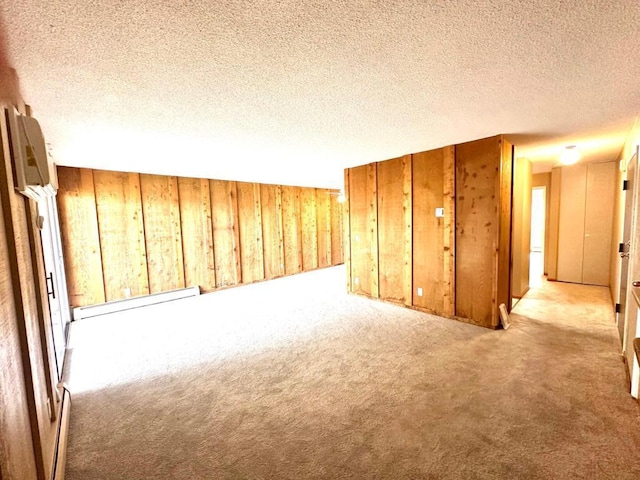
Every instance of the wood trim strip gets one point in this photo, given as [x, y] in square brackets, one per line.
[347, 230]
[449, 254]
[407, 204]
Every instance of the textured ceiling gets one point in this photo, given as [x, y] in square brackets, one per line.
[285, 91]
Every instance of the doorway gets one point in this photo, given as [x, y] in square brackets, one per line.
[537, 249]
[55, 277]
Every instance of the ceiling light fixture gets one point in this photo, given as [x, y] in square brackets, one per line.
[570, 155]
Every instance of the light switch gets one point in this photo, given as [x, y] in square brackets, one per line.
[440, 212]
[419, 291]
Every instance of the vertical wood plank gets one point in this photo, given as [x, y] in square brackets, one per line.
[323, 216]
[163, 233]
[337, 242]
[364, 229]
[521, 231]
[224, 214]
[429, 236]
[250, 228]
[26, 315]
[346, 230]
[309, 229]
[372, 193]
[503, 219]
[291, 224]
[477, 212]
[15, 394]
[358, 221]
[197, 233]
[280, 221]
[121, 229]
[271, 201]
[393, 205]
[449, 231]
[299, 224]
[80, 238]
[407, 218]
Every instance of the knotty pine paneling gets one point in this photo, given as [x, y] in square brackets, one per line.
[272, 230]
[323, 225]
[336, 227]
[396, 245]
[394, 229]
[431, 239]
[309, 229]
[122, 238]
[483, 226]
[292, 230]
[226, 237]
[187, 231]
[502, 278]
[29, 321]
[197, 233]
[162, 232]
[80, 237]
[16, 449]
[250, 230]
[346, 229]
[363, 226]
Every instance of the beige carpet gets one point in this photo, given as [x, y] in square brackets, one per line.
[294, 379]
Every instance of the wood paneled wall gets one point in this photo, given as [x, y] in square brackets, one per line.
[394, 229]
[521, 244]
[483, 229]
[29, 402]
[454, 264]
[434, 237]
[129, 234]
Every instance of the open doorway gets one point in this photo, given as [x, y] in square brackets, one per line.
[537, 251]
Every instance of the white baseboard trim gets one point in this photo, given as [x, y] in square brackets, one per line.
[60, 458]
[135, 302]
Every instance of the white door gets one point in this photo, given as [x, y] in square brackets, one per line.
[573, 185]
[598, 223]
[586, 223]
[56, 283]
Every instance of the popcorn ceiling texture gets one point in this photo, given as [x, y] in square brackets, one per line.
[294, 91]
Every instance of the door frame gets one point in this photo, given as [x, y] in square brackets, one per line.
[56, 284]
[631, 309]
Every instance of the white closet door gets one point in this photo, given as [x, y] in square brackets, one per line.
[573, 186]
[598, 223]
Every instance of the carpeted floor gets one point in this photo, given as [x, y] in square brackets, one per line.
[294, 379]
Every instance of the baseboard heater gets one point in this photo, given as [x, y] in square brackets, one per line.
[135, 302]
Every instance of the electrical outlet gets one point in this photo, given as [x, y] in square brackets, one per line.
[356, 238]
[356, 280]
[419, 291]
[127, 292]
[440, 212]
